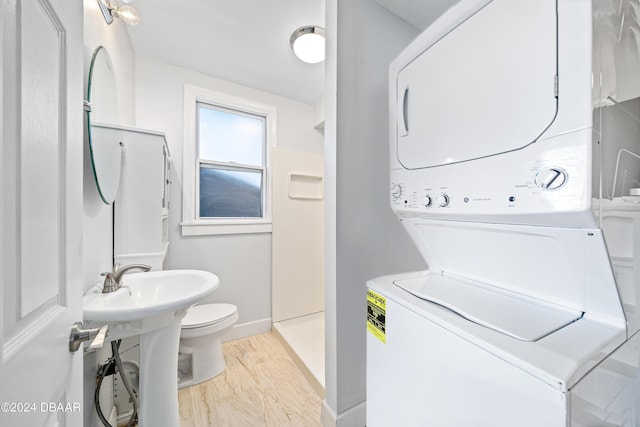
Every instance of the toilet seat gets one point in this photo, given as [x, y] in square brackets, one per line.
[203, 315]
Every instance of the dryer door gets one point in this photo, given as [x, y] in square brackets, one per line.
[484, 88]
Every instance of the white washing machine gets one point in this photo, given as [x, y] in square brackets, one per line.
[515, 169]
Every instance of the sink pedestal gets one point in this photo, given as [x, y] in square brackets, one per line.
[158, 394]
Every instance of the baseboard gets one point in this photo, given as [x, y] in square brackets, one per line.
[247, 329]
[353, 417]
[327, 416]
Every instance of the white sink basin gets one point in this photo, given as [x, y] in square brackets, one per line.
[151, 305]
[145, 295]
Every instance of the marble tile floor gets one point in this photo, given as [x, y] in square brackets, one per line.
[261, 386]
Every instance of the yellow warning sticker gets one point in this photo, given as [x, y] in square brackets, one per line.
[376, 312]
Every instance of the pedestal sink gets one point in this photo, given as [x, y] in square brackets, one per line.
[152, 306]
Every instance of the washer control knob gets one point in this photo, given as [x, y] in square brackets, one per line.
[396, 191]
[443, 201]
[427, 202]
[551, 178]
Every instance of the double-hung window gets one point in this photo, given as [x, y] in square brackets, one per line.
[227, 141]
[231, 162]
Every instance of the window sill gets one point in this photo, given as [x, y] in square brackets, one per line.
[207, 228]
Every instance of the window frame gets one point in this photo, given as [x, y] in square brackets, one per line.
[192, 224]
[232, 166]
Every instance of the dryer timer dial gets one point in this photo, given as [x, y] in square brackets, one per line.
[551, 178]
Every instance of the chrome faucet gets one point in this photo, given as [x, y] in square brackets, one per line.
[112, 279]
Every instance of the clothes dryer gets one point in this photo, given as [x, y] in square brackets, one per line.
[515, 169]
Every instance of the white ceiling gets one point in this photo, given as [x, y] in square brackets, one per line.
[247, 41]
[243, 41]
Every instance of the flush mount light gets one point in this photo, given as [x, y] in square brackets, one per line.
[127, 13]
[308, 44]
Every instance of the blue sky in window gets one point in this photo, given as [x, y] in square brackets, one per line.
[228, 137]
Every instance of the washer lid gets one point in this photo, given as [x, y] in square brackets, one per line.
[207, 314]
[516, 315]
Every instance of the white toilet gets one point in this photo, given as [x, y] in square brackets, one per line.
[200, 355]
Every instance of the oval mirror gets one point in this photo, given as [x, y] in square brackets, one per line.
[105, 139]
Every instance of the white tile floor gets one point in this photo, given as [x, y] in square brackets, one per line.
[305, 337]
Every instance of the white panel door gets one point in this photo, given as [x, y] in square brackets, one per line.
[41, 211]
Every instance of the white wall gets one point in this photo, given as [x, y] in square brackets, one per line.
[242, 262]
[364, 239]
[97, 236]
[97, 223]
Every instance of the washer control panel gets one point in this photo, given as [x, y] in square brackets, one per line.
[540, 187]
[427, 199]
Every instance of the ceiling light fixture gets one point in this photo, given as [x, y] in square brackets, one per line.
[308, 44]
[127, 13]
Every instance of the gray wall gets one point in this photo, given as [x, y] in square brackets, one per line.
[241, 261]
[369, 240]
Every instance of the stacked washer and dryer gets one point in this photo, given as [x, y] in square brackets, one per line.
[515, 169]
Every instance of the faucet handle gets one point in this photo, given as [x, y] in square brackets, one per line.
[109, 284]
[115, 268]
